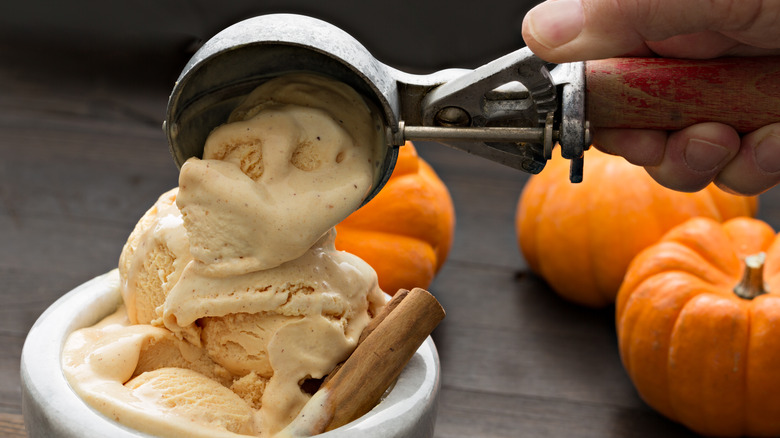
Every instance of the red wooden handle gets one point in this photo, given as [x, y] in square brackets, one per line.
[670, 94]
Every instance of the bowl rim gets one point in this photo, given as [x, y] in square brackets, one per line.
[51, 408]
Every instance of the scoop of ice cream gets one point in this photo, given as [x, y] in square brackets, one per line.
[97, 362]
[115, 350]
[284, 351]
[285, 324]
[321, 282]
[161, 349]
[251, 388]
[298, 156]
[191, 396]
[239, 341]
[153, 258]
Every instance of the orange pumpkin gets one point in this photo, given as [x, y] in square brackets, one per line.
[581, 237]
[698, 333]
[406, 231]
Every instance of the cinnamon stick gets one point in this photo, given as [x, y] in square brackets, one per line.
[388, 307]
[356, 387]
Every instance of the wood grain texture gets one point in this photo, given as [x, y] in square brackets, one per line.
[670, 94]
[11, 426]
[82, 156]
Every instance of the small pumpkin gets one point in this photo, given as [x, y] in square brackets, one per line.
[405, 232]
[581, 237]
[698, 324]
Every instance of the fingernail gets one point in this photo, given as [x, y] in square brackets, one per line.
[767, 153]
[703, 156]
[556, 22]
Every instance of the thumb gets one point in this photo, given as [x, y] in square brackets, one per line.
[576, 30]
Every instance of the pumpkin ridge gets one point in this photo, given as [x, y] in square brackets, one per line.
[705, 248]
[746, 366]
[390, 235]
[646, 297]
[748, 236]
[761, 400]
[696, 406]
[703, 255]
[635, 352]
[673, 256]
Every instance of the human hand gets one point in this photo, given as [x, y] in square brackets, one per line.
[689, 159]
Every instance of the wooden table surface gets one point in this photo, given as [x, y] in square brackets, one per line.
[82, 156]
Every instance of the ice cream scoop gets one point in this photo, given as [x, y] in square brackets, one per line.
[511, 110]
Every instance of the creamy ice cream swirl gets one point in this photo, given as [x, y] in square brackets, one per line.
[297, 157]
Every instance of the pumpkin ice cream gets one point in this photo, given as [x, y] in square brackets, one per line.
[236, 300]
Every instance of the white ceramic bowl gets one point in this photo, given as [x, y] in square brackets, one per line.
[52, 410]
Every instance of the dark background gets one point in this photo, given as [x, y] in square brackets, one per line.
[420, 35]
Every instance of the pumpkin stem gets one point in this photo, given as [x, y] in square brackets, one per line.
[752, 284]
